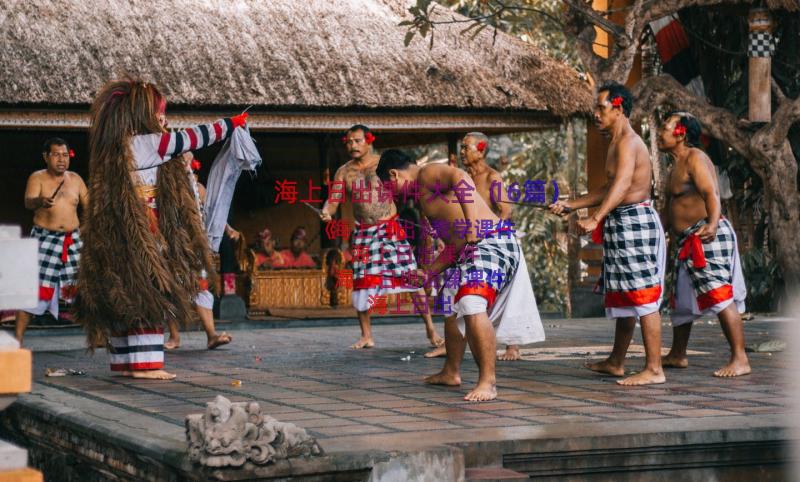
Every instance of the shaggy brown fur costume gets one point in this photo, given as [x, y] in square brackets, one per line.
[130, 277]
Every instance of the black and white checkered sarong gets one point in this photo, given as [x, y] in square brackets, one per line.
[494, 261]
[52, 269]
[718, 255]
[631, 239]
[388, 255]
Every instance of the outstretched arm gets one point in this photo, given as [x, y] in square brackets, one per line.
[334, 199]
[171, 144]
[174, 143]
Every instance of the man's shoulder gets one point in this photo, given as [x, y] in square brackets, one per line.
[74, 175]
[37, 174]
[698, 155]
[632, 140]
[492, 173]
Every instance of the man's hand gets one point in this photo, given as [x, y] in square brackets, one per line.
[587, 225]
[46, 202]
[707, 232]
[232, 233]
[239, 120]
[418, 277]
[561, 208]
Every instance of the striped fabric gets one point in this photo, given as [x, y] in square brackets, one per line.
[173, 143]
[675, 53]
[139, 349]
[152, 150]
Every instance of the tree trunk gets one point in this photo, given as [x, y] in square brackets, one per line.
[784, 213]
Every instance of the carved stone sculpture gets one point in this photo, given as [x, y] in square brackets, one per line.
[230, 434]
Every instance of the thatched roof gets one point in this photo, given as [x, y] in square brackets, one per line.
[329, 55]
[790, 5]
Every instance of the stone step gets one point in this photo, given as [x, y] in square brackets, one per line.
[492, 474]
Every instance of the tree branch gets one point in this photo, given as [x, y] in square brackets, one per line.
[776, 89]
[787, 113]
[595, 17]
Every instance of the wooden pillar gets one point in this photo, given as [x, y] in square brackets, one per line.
[759, 52]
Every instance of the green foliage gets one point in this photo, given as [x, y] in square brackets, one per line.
[542, 155]
[534, 21]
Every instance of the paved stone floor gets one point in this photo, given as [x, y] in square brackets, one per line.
[371, 397]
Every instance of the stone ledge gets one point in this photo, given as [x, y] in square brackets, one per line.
[79, 439]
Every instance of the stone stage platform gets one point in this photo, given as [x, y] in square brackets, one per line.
[376, 420]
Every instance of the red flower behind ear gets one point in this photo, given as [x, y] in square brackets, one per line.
[369, 138]
[71, 153]
[196, 165]
[616, 101]
[344, 139]
[481, 146]
[680, 130]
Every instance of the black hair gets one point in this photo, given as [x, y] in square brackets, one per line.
[53, 141]
[693, 126]
[358, 127]
[614, 90]
[392, 159]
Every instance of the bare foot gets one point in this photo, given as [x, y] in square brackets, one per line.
[674, 361]
[735, 368]
[219, 340]
[644, 377]
[150, 374]
[436, 352]
[172, 344]
[482, 393]
[363, 343]
[444, 378]
[511, 354]
[435, 339]
[606, 366]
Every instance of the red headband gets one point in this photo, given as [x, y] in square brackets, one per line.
[368, 138]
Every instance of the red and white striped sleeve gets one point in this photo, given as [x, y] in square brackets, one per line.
[173, 143]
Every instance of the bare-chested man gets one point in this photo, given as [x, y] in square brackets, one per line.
[53, 194]
[634, 250]
[709, 276]
[379, 245]
[492, 255]
[474, 148]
